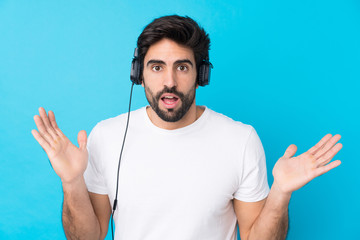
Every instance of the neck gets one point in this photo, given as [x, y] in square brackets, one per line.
[191, 116]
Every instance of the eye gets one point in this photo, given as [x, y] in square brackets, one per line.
[182, 68]
[156, 68]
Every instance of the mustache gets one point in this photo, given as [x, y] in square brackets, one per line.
[170, 90]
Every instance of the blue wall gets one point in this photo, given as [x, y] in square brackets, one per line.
[289, 68]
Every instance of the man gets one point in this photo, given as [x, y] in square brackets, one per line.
[186, 172]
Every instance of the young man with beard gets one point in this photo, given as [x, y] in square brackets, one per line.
[187, 172]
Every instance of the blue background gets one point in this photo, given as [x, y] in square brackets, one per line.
[289, 68]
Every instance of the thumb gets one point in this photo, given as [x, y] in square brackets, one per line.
[290, 151]
[82, 139]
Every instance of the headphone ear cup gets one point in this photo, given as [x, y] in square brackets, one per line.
[204, 74]
[135, 71]
[135, 68]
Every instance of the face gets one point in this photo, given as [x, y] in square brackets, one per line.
[169, 79]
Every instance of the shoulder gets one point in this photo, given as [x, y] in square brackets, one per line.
[113, 125]
[228, 125]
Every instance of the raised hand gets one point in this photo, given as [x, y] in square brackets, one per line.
[68, 161]
[291, 173]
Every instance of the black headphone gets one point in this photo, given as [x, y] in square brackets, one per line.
[203, 77]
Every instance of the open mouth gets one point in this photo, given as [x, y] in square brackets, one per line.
[169, 100]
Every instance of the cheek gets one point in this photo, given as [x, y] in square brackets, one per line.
[149, 94]
[151, 79]
[192, 84]
[151, 87]
[186, 81]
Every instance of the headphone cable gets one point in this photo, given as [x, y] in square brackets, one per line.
[118, 171]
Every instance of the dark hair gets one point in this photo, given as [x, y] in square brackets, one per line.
[182, 30]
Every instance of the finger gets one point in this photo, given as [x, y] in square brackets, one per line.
[42, 130]
[82, 139]
[54, 124]
[290, 151]
[46, 122]
[329, 144]
[320, 144]
[52, 119]
[326, 158]
[43, 143]
[324, 169]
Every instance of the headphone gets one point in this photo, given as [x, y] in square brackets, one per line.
[203, 77]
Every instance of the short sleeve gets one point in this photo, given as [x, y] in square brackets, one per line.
[253, 185]
[93, 174]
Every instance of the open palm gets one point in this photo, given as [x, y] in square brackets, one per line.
[68, 161]
[291, 173]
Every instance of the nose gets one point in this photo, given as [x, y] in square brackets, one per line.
[170, 79]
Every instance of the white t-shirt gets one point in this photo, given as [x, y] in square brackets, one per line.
[177, 184]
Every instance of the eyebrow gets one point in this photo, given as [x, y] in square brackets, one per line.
[152, 61]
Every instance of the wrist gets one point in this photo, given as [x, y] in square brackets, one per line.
[74, 184]
[280, 194]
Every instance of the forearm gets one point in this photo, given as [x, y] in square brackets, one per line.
[272, 223]
[78, 216]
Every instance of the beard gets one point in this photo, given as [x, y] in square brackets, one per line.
[170, 115]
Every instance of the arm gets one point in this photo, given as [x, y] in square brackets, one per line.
[269, 219]
[83, 214]
[78, 215]
[102, 209]
[266, 219]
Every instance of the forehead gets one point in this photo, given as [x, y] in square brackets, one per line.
[169, 51]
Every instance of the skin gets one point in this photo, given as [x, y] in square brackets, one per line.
[86, 215]
[290, 173]
[166, 71]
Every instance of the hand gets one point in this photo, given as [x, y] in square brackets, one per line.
[68, 161]
[291, 173]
